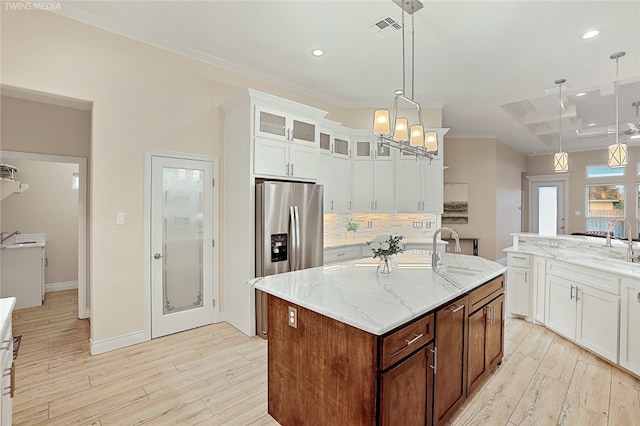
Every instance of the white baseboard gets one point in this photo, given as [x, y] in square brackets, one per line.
[66, 285]
[118, 342]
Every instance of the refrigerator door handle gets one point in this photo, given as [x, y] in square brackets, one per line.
[292, 239]
[298, 247]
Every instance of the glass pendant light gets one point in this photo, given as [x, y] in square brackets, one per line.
[561, 158]
[618, 156]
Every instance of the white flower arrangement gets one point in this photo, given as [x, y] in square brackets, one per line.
[386, 245]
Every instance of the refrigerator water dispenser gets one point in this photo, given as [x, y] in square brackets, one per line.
[279, 247]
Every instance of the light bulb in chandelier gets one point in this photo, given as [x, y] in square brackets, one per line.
[431, 141]
[401, 130]
[417, 135]
[381, 122]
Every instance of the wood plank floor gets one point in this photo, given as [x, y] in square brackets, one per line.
[215, 375]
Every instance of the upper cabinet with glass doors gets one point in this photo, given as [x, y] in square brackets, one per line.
[335, 170]
[286, 139]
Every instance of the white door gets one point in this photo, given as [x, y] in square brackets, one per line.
[548, 207]
[181, 244]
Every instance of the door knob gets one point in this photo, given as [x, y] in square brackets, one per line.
[157, 256]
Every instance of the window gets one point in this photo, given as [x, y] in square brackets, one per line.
[605, 203]
[602, 170]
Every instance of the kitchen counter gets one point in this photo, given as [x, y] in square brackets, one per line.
[355, 294]
[578, 250]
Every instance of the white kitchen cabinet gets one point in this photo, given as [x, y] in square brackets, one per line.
[630, 325]
[344, 253]
[419, 185]
[519, 279]
[23, 275]
[583, 305]
[285, 144]
[373, 177]
[539, 284]
[7, 370]
[335, 171]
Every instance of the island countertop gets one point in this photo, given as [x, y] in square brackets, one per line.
[355, 294]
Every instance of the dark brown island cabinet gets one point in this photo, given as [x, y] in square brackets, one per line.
[325, 372]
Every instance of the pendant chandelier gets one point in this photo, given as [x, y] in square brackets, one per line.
[394, 131]
[618, 156]
[560, 158]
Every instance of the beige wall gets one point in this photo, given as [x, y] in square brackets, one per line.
[142, 97]
[493, 172]
[50, 206]
[578, 161]
[43, 128]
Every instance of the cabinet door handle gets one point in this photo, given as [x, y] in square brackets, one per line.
[454, 309]
[571, 296]
[423, 206]
[349, 205]
[418, 205]
[577, 289]
[415, 339]
[331, 205]
[434, 351]
[376, 204]
[487, 314]
[291, 169]
[493, 315]
[288, 134]
[526, 275]
[638, 297]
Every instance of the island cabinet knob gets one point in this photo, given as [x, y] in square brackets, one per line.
[157, 256]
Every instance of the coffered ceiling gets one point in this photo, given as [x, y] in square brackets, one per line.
[489, 64]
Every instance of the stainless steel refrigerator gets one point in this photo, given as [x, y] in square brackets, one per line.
[289, 233]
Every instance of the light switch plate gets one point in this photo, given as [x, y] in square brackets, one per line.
[120, 218]
[369, 224]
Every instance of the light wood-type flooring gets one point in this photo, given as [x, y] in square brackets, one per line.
[215, 375]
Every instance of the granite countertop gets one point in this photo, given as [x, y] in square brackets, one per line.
[597, 257]
[6, 306]
[355, 294]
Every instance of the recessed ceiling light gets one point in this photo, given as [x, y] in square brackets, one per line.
[590, 34]
[581, 94]
[591, 124]
[317, 52]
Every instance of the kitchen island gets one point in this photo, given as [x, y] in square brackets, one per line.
[350, 346]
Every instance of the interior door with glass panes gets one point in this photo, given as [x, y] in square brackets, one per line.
[181, 245]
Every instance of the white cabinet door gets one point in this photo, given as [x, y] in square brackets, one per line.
[597, 321]
[409, 186]
[362, 196]
[271, 157]
[303, 161]
[384, 185]
[433, 177]
[629, 325]
[324, 179]
[271, 124]
[518, 289]
[341, 184]
[560, 310]
[538, 283]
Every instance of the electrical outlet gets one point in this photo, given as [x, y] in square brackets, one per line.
[293, 317]
[554, 244]
[417, 224]
[369, 224]
[428, 225]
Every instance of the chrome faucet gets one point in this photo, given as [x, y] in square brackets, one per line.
[435, 256]
[630, 254]
[2, 235]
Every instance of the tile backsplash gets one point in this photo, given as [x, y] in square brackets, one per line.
[335, 225]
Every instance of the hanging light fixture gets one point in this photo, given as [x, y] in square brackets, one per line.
[560, 158]
[394, 131]
[618, 156]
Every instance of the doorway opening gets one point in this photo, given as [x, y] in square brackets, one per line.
[79, 178]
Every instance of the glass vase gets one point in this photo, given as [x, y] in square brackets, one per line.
[384, 266]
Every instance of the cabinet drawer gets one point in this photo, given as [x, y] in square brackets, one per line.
[601, 280]
[404, 341]
[519, 260]
[342, 254]
[486, 293]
